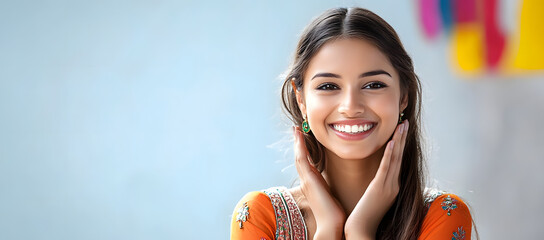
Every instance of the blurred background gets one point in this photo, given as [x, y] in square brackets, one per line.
[151, 119]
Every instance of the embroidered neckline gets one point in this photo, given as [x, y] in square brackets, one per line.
[432, 194]
[289, 220]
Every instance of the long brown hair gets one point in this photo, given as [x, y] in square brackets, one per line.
[404, 218]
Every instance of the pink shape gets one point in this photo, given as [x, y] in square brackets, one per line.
[465, 11]
[430, 20]
[494, 37]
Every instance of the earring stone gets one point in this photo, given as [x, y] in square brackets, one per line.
[305, 126]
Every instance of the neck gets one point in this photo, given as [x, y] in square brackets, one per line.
[349, 178]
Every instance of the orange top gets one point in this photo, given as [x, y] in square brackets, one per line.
[273, 214]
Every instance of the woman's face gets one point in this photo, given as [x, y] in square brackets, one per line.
[351, 97]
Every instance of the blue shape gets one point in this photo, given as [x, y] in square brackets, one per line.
[446, 13]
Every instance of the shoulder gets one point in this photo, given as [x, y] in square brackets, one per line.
[253, 217]
[448, 217]
[255, 199]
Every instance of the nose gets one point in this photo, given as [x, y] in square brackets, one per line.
[351, 104]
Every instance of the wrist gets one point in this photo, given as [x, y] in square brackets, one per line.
[353, 231]
[359, 235]
[329, 229]
[327, 234]
[334, 223]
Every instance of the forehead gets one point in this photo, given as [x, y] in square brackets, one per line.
[346, 56]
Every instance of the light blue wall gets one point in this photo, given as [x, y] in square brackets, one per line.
[150, 119]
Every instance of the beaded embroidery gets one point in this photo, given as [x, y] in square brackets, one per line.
[289, 221]
[459, 235]
[431, 195]
[243, 214]
[449, 204]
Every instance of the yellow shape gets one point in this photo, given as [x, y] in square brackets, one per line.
[530, 53]
[467, 47]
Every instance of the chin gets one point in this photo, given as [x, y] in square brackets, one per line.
[355, 154]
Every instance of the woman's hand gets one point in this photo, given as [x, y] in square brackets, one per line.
[328, 214]
[380, 195]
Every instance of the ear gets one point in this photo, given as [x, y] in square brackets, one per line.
[404, 102]
[300, 101]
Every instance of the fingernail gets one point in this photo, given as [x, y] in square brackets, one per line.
[392, 144]
[406, 126]
[401, 128]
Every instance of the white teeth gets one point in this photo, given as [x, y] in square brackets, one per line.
[353, 128]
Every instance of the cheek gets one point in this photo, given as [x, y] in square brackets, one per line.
[387, 109]
[317, 107]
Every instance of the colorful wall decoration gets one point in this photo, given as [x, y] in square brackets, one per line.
[479, 44]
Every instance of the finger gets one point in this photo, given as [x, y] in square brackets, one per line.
[402, 142]
[299, 156]
[397, 137]
[302, 163]
[384, 164]
[403, 139]
[313, 185]
[396, 164]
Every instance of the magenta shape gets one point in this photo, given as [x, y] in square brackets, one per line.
[430, 20]
[495, 40]
[465, 11]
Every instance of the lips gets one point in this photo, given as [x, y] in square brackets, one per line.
[353, 129]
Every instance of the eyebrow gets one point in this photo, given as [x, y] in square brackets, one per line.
[366, 74]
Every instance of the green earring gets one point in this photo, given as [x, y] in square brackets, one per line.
[400, 118]
[305, 126]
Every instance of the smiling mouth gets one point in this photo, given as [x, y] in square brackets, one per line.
[352, 129]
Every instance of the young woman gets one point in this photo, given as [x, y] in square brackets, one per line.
[354, 98]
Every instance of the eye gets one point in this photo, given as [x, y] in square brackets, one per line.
[374, 85]
[327, 86]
